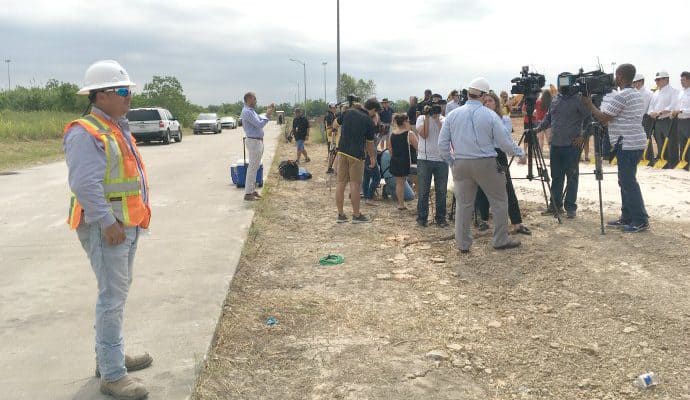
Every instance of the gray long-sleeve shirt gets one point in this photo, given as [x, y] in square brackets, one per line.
[565, 117]
[86, 162]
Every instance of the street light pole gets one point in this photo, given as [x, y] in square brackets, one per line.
[304, 65]
[9, 82]
[337, 90]
[324, 81]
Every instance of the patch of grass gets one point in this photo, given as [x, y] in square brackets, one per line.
[16, 154]
[32, 125]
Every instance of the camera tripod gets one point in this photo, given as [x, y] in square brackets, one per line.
[535, 157]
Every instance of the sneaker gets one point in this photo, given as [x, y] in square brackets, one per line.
[124, 388]
[307, 159]
[619, 223]
[421, 223]
[483, 226]
[361, 218]
[570, 214]
[257, 195]
[549, 211]
[510, 245]
[250, 197]
[341, 218]
[442, 223]
[636, 228]
[133, 363]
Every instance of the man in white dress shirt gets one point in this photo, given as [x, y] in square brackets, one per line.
[682, 112]
[660, 108]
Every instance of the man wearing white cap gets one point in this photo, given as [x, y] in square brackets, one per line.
[682, 112]
[647, 122]
[474, 132]
[109, 207]
[660, 108]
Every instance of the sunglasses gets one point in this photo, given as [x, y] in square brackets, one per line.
[122, 92]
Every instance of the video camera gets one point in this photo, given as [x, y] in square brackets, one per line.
[593, 83]
[433, 106]
[352, 99]
[463, 97]
[528, 84]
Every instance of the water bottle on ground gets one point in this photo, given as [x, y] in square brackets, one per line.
[647, 380]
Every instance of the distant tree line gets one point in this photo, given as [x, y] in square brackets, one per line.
[167, 92]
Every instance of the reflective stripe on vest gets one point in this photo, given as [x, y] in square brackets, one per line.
[122, 191]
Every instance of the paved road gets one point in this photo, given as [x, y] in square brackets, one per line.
[182, 271]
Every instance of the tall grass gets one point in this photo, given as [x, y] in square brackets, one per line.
[32, 125]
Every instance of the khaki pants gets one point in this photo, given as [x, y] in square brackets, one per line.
[255, 150]
[467, 175]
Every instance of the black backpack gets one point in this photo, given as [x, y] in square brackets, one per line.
[288, 170]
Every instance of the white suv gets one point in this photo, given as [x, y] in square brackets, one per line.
[149, 124]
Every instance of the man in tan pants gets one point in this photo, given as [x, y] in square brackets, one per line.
[474, 132]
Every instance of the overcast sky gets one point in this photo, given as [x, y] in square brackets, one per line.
[221, 49]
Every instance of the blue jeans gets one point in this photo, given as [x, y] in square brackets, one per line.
[390, 190]
[113, 268]
[370, 181]
[564, 164]
[632, 206]
[425, 171]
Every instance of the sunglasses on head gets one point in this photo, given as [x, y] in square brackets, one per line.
[122, 92]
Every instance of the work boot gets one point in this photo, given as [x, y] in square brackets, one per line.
[133, 363]
[125, 388]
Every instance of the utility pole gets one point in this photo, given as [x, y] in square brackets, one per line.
[324, 81]
[337, 90]
[304, 65]
[9, 82]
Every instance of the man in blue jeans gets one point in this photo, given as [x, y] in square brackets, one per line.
[565, 118]
[370, 182]
[431, 165]
[623, 114]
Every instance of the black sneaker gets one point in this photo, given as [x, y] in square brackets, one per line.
[341, 218]
[421, 223]
[570, 214]
[510, 245]
[619, 223]
[549, 211]
[361, 218]
[442, 223]
[483, 226]
[636, 228]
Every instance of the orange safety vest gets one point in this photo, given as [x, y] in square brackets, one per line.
[121, 182]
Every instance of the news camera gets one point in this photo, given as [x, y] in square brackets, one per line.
[593, 83]
[528, 84]
[432, 106]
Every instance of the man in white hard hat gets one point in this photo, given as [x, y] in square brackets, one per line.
[109, 207]
[682, 113]
[660, 108]
[474, 132]
[647, 122]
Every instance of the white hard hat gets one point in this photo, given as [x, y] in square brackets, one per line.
[638, 77]
[478, 86]
[331, 104]
[661, 74]
[105, 74]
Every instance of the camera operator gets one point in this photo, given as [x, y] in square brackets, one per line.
[660, 108]
[357, 135]
[647, 122]
[430, 164]
[565, 117]
[623, 114]
[474, 132]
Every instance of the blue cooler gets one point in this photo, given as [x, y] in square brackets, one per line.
[238, 173]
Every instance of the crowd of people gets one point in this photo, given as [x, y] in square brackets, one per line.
[470, 134]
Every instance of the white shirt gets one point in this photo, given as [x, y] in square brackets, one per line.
[663, 100]
[646, 97]
[683, 104]
[428, 148]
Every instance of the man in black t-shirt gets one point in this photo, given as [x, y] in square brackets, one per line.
[300, 130]
[357, 133]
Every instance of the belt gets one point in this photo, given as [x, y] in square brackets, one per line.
[256, 138]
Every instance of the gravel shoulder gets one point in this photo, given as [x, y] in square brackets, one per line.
[571, 314]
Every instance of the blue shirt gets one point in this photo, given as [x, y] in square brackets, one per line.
[252, 123]
[474, 131]
[86, 163]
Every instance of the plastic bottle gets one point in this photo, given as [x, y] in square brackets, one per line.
[647, 380]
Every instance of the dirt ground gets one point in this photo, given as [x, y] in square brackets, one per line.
[571, 314]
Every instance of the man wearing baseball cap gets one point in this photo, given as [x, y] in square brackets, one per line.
[647, 122]
[660, 108]
[474, 132]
